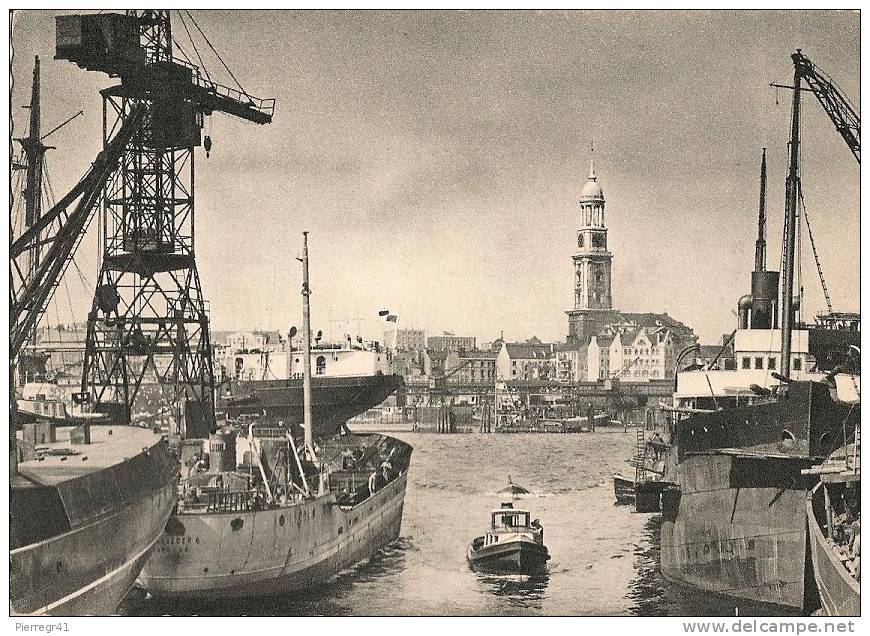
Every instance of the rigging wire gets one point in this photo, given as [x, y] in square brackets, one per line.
[207, 41]
[195, 49]
[815, 252]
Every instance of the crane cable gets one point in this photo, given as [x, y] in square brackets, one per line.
[815, 252]
[207, 41]
[195, 49]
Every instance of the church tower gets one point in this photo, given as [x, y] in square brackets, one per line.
[593, 301]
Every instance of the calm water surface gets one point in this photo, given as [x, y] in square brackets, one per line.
[604, 557]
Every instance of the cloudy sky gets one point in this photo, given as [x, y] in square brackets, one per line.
[437, 159]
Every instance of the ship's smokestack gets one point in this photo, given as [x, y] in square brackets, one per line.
[759, 309]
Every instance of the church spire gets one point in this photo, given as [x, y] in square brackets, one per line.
[592, 161]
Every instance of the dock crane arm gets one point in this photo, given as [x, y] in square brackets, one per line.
[60, 232]
[839, 109]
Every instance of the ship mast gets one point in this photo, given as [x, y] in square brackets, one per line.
[792, 187]
[306, 350]
[760, 243]
[34, 152]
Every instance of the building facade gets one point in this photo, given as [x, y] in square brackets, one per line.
[526, 361]
[405, 339]
[451, 342]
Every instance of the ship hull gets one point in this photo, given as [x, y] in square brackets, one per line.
[335, 400]
[273, 551]
[737, 527]
[839, 592]
[87, 569]
[514, 557]
[734, 513]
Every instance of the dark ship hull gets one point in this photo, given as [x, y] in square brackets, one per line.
[335, 400]
[734, 522]
[82, 530]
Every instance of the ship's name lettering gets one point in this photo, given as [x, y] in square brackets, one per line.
[177, 540]
[726, 547]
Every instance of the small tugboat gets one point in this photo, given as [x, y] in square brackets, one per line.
[513, 489]
[511, 545]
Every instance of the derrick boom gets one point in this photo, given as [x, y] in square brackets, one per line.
[839, 109]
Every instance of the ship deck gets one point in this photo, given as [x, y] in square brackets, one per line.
[110, 445]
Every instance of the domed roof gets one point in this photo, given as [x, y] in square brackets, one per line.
[592, 189]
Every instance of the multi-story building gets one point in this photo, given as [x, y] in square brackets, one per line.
[471, 368]
[451, 342]
[405, 339]
[526, 361]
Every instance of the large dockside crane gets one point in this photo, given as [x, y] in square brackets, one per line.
[148, 311]
[848, 124]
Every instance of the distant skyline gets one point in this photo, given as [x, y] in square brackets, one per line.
[437, 159]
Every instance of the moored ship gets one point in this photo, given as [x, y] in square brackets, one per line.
[834, 516]
[84, 517]
[89, 494]
[349, 378]
[744, 439]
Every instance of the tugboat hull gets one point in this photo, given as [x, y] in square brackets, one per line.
[521, 556]
[623, 489]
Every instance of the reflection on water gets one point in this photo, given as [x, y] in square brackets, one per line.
[605, 558]
[522, 591]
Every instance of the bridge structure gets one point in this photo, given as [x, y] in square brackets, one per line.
[425, 392]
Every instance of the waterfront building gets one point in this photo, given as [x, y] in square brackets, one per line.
[475, 367]
[526, 361]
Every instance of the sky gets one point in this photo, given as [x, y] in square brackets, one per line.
[437, 159]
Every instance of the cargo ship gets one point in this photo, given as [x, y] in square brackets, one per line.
[87, 506]
[89, 496]
[291, 513]
[349, 378]
[744, 440]
[285, 525]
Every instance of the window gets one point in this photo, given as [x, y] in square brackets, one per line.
[771, 363]
[759, 362]
[321, 365]
[746, 362]
[796, 364]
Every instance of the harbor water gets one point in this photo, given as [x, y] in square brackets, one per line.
[604, 557]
